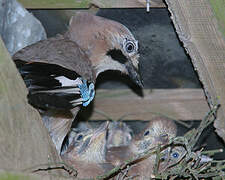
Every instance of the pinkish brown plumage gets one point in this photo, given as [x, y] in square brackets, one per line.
[158, 131]
[60, 72]
[97, 36]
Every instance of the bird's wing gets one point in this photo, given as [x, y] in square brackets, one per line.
[55, 70]
[59, 77]
[58, 51]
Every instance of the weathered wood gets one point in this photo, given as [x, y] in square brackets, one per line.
[12, 175]
[23, 138]
[183, 104]
[198, 29]
[68, 4]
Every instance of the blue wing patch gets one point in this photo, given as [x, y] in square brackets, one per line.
[87, 92]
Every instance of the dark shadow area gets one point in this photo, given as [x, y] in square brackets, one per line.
[116, 80]
[163, 61]
[52, 21]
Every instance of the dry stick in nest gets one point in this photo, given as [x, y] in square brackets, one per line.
[128, 163]
[190, 165]
[123, 174]
[53, 166]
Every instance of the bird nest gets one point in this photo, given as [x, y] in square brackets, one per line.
[188, 164]
[183, 161]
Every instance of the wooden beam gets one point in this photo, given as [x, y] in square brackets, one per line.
[68, 4]
[183, 104]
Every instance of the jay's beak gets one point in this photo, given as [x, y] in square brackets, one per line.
[134, 74]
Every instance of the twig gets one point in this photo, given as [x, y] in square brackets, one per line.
[190, 166]
[212, 152]
[53, 166]
[127, 163]
[124, 173]
[204, 123]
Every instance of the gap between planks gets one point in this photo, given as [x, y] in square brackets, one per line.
[180, 104]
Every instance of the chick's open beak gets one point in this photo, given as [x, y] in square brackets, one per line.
[134, 74]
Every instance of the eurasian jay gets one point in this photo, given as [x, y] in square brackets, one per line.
[157, 132]
[60, 72]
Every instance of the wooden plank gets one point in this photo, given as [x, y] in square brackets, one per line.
[183, 104]
[198, 29]
[24, 140]
[68, 4]
[25, 175]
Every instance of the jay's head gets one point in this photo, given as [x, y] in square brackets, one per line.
[88, 145]
[108, 44]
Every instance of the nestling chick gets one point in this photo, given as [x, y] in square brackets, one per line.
[60, 72]
[87, 151]
[173, 155]
[119, 134]
[176, 153]
[158, 131]
[80, 128]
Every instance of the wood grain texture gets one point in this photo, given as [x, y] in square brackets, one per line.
[24, 140]
[198, 29]
[68, 4]
[183, 104]
[13, 175]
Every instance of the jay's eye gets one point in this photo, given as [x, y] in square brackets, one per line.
[130, 47]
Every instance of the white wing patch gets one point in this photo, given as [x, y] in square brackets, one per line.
[68, 82]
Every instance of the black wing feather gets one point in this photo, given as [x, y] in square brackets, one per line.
[40, 79]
